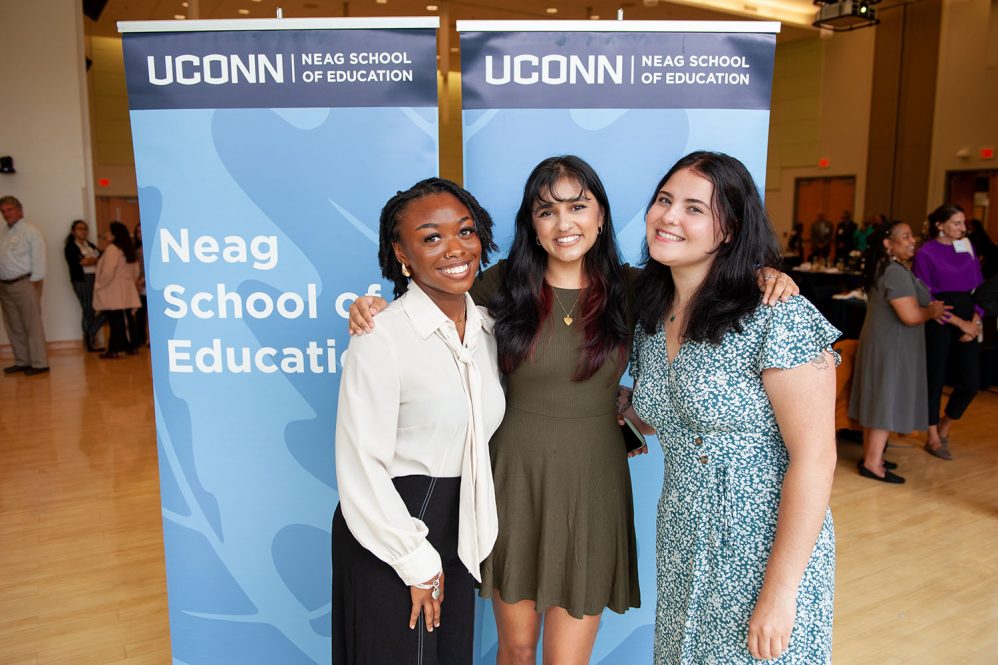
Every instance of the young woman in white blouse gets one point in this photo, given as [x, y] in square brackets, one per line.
[419, 399]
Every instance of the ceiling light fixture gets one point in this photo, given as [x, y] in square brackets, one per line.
[179, 17]
[381, 2]
[551, 10]
[431, 8]
[244, 12]
[184, 4]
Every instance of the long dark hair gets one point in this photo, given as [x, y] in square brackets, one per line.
[729, 292]
[121, 238]
[524, 300]
[71, 238]
[940, 215]
[876, 259]
[391, 269]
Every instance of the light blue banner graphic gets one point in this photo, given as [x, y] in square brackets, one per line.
[630, 148]
[260, 228]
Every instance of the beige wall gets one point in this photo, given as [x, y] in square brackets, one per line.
[821, 109]
[966, 115]
[112, 132]
[42, 125]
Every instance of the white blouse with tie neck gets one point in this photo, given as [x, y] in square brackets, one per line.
[416, 400]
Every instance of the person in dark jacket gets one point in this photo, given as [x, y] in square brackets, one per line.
[81, 258]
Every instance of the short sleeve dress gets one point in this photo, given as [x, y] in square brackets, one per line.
[889, 385]
[725, 461]
[563, 487]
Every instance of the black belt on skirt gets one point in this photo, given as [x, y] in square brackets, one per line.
[15, 279]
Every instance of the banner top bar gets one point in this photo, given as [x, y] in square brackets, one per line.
[218, 25]
[770, 27]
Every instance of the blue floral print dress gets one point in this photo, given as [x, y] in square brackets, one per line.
[725, 460]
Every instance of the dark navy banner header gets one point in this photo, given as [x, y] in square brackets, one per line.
[281, 69]
[577, 70]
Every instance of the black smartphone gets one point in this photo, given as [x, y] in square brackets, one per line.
[633, 439]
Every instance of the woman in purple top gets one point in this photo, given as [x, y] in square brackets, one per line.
[947, 265]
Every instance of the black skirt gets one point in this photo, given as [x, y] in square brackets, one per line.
[371, 604]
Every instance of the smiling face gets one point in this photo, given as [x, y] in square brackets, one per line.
[568, 221]
[901, 242]
[437, 240]
[681, 227]
[953, 228]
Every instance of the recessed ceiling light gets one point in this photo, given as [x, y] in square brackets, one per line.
[594, 17]
[551, 10]
[244, 12]
[431, 8]
[256, 0]
[454, 49]
[179, 17]
[184, 4]
[381, 2]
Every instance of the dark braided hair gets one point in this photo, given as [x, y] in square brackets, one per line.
[876, 259]
[391, 269]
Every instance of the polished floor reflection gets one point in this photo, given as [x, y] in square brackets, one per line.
[81, 545]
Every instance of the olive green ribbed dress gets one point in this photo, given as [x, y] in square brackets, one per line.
[563, 488]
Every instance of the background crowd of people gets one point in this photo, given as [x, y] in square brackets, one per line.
[109, 284]
[923, 330]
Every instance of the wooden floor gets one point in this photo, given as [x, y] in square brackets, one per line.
[81, 551]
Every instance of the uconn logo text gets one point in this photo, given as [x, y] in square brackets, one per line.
[216, 69]
[554, 69]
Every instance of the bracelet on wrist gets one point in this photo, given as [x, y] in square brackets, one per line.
[434, 585]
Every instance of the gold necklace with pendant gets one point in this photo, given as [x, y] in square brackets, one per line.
[568, 314]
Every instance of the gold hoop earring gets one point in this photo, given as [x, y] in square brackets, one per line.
[405, 270]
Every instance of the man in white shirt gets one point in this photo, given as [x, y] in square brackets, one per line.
[22, 269]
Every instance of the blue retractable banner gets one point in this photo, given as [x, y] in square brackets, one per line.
[264, 152]
[630, 98]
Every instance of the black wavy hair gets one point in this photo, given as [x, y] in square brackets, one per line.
[525, 298]
[876, 258]
[730, 290]
[939, 216]
[123, 240]
[391, 269]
